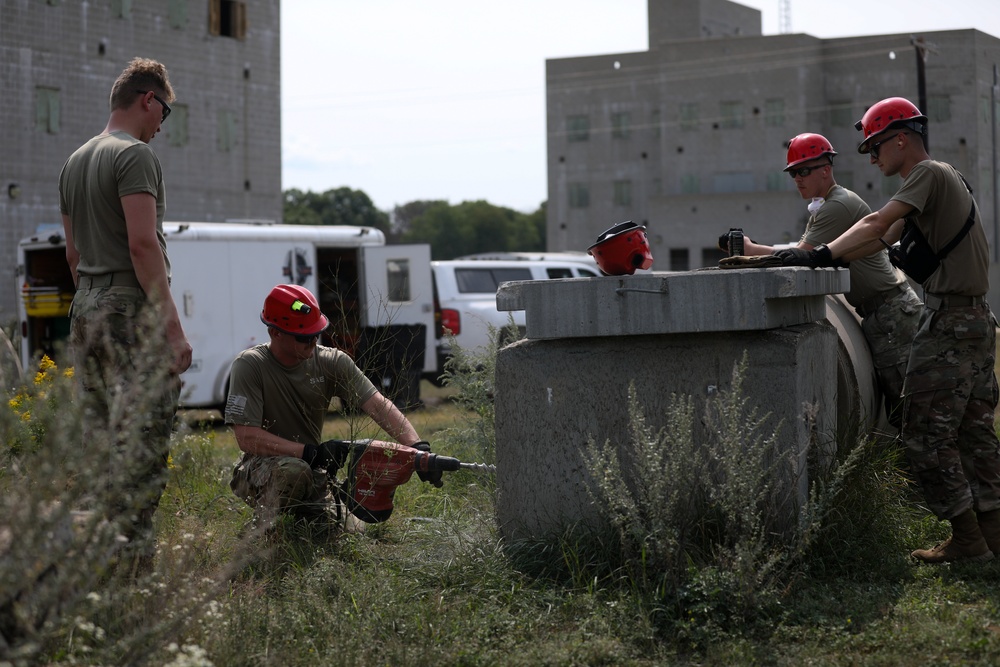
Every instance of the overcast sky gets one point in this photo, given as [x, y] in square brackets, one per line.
[445, 99]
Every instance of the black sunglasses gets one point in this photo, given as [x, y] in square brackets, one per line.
[166, 107]
[805, 171]
[305, 340]
[873, 148]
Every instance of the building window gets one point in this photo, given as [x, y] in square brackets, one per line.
[579, 195]
[654, 120]
[54, 2]
[623, 193]
[227, 131]
[227, 18]
[47, 109]
[774, 112]
[842, 114]
[177, 128]
[679, 260]
[177, 13]
[939, 108]
[121, 8]
[890, 184]
[620, 122]
[731, 114]
[578, 128]
[689, 115]
[777, 181]
[739, 181]
[690, 185]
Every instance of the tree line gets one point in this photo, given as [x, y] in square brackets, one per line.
[452, 230]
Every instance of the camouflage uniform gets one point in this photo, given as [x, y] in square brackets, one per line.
[889, 330]
[128, 391]
[951, 396]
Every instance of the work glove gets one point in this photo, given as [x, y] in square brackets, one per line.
[816, 257]
[431, 476]
[329, 455]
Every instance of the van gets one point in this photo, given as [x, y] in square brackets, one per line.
[379, 298]
[466, 291]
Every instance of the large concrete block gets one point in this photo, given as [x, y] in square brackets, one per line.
[554, 395]
[665, 303]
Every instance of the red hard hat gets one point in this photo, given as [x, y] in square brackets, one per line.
[808, 146]
[294, 310]
[889, 113]
[622, 249]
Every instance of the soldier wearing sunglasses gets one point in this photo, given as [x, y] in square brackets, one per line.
[880, 294]
[279, 396]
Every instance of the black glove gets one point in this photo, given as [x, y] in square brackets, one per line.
[431, 476]
[330, 455]
[817, 257]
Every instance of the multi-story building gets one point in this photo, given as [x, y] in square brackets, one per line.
[690, 137]
[221, 147]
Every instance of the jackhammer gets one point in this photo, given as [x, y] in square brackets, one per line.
[376, 467]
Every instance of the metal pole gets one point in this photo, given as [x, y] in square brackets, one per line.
[993, 135]
[918, 45]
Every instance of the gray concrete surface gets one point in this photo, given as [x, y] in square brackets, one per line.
[568, 382]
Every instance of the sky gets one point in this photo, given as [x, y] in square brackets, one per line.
[445, 99]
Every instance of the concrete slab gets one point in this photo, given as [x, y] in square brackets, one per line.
[670, 303]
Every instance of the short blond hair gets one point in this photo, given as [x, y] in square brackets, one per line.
[140, 74]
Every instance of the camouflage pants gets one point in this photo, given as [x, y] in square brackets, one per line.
[950, 399]
[274, 485]
[890, 330]
[129, 401]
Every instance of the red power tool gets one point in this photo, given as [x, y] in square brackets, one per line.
[376, 467]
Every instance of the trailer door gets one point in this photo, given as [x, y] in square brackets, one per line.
[397, 289]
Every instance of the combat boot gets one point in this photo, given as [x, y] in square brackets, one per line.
[965, 545]
[989, 525]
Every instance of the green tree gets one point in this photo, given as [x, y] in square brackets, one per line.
[340, 206]
[473, 227]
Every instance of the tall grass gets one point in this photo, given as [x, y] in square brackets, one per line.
[699, 572]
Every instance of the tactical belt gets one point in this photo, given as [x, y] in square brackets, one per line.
[942, 301]
[115, 279]
[872, 303]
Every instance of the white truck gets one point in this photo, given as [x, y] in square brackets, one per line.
[379, 298]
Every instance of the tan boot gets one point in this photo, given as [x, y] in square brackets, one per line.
[989, 525]
[966, 543]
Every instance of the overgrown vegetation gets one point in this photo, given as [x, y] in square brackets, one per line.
[697, 574]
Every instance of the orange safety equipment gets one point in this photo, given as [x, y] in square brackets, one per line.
[890, 113]
[294, 310]
[808, 146]
[622, 249]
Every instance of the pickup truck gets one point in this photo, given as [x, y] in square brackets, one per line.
[465, 296]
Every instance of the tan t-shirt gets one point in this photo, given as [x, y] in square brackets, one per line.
[869, 275]
[91, 184]
[942, 202]
[292, 402]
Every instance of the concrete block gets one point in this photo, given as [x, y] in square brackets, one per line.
[666, 303]
[554, 395]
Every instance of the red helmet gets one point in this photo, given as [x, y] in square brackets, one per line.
[622, 249]
[808, 146]
[889, 113]
[294, 310]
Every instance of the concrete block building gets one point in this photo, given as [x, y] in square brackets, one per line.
[221, 147]
[690, 137]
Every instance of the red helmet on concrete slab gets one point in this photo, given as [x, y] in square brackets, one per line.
[808, 146]
[890, 113]
[622, 249]
[294, 310]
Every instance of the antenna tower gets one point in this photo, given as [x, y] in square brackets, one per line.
[784, 16]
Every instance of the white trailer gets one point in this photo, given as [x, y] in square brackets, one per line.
[379, 298]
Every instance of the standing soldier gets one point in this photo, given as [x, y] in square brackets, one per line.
[111, 198]
[950, 389]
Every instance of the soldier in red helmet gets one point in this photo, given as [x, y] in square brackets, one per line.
[950, 392]
[880, 294]
[279, 396]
